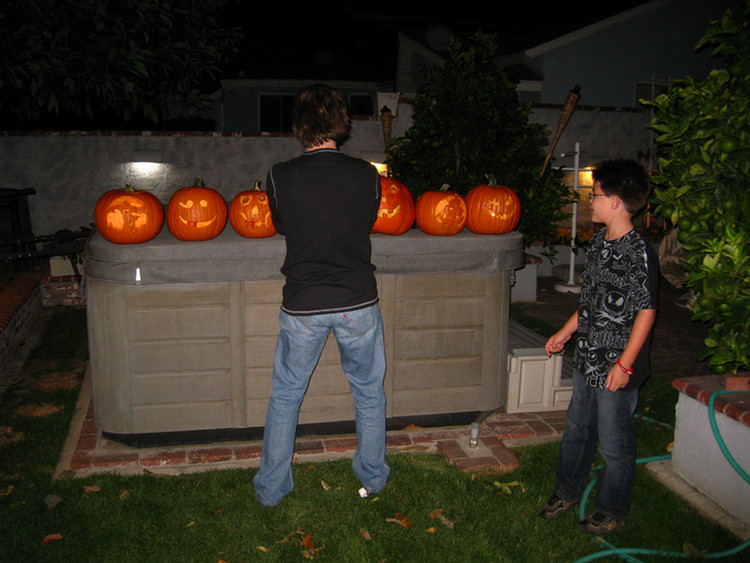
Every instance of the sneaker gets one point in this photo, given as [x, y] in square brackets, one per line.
[555, 507]
[599, 525]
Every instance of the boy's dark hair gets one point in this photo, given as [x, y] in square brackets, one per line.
[626, 179]
[320, 115]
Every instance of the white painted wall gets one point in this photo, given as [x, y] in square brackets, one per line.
[699, 460]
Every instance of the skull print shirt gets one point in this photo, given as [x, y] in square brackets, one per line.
[620, 278]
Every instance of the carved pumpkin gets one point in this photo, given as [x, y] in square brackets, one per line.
[492, 209]
[128, 216]
[196, 213]
[441, 212]
[250, 214]
[397, 211]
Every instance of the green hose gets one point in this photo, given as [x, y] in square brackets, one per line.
[626, 553]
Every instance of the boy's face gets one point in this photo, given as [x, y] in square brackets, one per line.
[601, 204]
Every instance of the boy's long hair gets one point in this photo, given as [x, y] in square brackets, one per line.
[320, 115]
[626, 179]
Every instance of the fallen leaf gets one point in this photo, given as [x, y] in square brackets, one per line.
[37, 411]
[670, 447]
[218, 511]
[365, 534]
[438, 513]
[506, 488]
[124, 493]
[51, 538]
[52, 501]
[307, 542]
[263, 548]
[692, 552]
[400, 519]
[7, 491]
[325, 485]
[190, 524]
[412, 427]
[91, 488]
[308, 547]
[289, 536]
[431, 530]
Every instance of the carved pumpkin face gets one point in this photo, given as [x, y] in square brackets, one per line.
[441, 212]
[492, 210]
[128, 216]
[397, 211]
[250, 214]
[196, 213]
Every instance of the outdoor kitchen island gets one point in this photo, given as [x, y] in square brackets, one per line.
[182, 334]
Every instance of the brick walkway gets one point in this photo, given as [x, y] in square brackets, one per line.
[87, 451]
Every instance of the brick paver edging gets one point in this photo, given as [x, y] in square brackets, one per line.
[87, 451]
[735, 405]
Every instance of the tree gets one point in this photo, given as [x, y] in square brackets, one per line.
[468, 125]
[703, 188]
[93, 59]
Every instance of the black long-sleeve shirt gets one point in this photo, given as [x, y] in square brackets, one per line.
[325, 204]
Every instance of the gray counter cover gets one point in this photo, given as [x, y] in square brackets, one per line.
[231, 257]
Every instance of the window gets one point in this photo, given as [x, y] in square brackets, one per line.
[276, 113]
[360, 104]
[651, 90]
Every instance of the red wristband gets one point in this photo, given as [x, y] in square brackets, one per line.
[624, 369]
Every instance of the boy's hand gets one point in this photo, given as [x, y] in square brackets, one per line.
[617, 379]
[556, 343]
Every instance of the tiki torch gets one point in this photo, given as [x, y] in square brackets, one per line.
[568, 108]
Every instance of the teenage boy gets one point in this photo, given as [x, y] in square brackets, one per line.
[616, 312]
[325, 204]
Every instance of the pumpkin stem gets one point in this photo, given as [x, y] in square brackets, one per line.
[444, 187]
[256, 186]
[491, 180]
[129, 187]
[198, 183]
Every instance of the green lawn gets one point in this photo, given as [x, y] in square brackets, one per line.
[429, 512]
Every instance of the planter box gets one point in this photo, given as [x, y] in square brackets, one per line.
[190, 344]
[697, 456]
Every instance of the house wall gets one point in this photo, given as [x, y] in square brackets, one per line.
[70, 171]
[607, 59]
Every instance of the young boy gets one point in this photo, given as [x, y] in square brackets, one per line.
[325, 204]
[616, 312]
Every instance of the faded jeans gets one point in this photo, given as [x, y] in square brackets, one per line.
[359, 335]
[596, 413]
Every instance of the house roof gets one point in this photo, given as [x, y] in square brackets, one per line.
[595, 28]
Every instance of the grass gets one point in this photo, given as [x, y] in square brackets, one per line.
[212, 517]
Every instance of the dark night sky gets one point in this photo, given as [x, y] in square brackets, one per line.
[358, 41]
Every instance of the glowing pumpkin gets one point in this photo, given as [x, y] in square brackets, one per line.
[196, 213]
[128, 216]
[441, 212]
[397, 211]
[250, 214]
[492, 209]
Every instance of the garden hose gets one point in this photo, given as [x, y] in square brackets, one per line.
[626, 553]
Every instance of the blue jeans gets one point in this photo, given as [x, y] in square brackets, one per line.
[596, 413]
[359, 335]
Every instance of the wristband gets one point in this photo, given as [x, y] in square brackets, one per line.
[624, 369]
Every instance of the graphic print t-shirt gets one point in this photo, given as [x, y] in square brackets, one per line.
[619, 280]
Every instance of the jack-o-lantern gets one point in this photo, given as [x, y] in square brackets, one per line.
[492, 209]
[441, 212]
[397, 211]
[250, 214]
[196, 213]
[128, 216]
